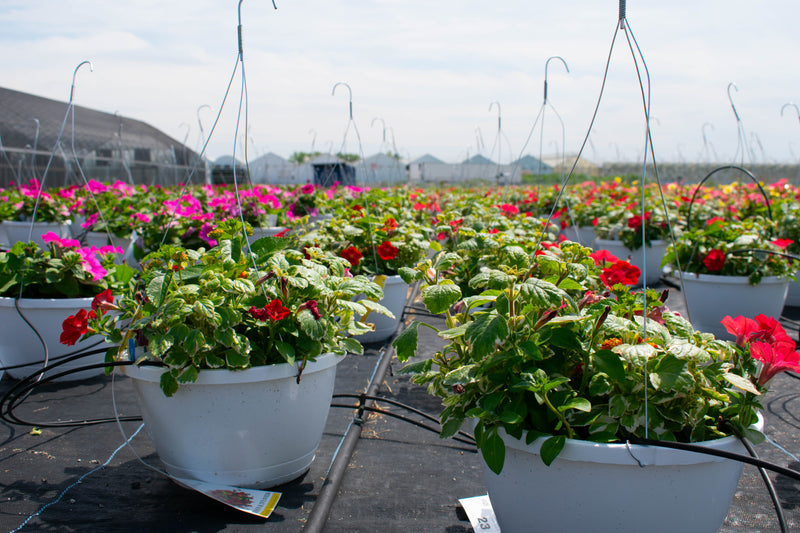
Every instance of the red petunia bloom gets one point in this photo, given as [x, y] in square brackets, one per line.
[782, 243]
[509, 209]
[714, 260]
[387, 251]
[73, 327]
[390, 225]
[775, 358]
[603, 257]
[620, 272]
[353, 255]
[635, 222]
[742, 327]
[769, 330]
[274, 310]
[311, 305]
[103, 301]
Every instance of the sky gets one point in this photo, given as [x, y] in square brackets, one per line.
[451, 78]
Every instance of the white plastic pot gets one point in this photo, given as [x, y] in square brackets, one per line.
[16, 231]
[793, 294]
[19, 344]
[582, 235]
[652, 254]
[254, 428]
[594, 487]
[710, 298]
[395, 294]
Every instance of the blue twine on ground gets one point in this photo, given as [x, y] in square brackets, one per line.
[60, 496]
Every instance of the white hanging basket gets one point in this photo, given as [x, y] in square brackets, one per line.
[653, 255]
[583, 235]
[395, 294]
[254, 428]
[16, 231]
[19, 345]
[595, 487]
[710, 298]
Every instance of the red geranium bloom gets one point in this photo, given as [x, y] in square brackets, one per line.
[73, 327]
[775, 358]
[714, 260]
[620, 272]
[102, 301]
[603, 256]
[387, 251]
[353, 255]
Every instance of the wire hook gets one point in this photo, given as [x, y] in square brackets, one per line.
[75, 73]
[792, 104]
[546, 63]
[350, 93]
[498, 112]
[730, 99]
[384, 126]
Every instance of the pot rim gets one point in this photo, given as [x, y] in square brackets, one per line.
[226, 376]
[51, 303]
[732, 280]
[629, 454]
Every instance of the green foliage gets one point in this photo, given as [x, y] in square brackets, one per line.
[556, 357]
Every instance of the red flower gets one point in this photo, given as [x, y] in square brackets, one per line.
[782, 243]
[620, 272]
[353, 255]
[73, 327]
[509, 209]
[103, 301]
[635, 222]
[390, 225]
[769, 330]
[714, 260]
[311, 305]
[603, 257]
[274, 310]
[741, 327]
[775, 358]
[387, 251]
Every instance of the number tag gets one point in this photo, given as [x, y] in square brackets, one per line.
[480, 513]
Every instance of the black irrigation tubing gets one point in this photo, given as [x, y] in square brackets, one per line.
[19, 392]
[362, 397]
[378, 410]
[770, 487]
[760, 463]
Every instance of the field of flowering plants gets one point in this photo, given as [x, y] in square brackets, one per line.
[381, 229]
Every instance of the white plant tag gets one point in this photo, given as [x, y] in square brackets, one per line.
[258, 502]
[480, 513]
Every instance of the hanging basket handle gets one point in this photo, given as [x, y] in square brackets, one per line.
[718, 169]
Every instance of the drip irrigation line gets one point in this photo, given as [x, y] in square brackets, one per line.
[794, 474]
[770, 487]
[399, 417]
[362, 397]
[19, 392]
